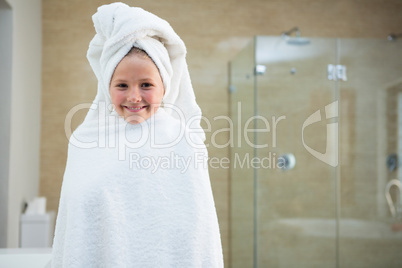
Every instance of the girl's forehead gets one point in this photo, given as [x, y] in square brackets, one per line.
[138, 58]
[136, 67]
[136, 61]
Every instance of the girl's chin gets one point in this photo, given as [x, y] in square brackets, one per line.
[135, 119]
[134, 122]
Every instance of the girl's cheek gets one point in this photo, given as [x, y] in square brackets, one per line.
[117, 96]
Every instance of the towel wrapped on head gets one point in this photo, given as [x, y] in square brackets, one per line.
[118, 29]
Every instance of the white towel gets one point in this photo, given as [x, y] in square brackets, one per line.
[137, 195]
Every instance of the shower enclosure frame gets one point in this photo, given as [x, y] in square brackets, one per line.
[255, 76]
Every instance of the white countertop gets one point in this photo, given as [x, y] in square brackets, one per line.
[25, 257]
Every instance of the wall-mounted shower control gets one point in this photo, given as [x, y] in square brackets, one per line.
[287, 161]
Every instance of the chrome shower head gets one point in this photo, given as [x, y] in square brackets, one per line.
[394, 37]
[288, 33]
[298, 41]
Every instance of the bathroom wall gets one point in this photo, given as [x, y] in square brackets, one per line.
[25, 105]
[214, 32]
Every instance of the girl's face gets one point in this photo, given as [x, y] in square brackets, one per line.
[136, 88]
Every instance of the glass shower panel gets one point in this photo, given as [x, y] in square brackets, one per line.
[297, 149]
[370, 153]
[242, 88]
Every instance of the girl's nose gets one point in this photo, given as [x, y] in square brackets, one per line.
[134, 95]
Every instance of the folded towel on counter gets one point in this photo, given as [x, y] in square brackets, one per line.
[137, 195]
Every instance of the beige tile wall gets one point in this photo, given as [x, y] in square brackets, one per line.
[214, 32]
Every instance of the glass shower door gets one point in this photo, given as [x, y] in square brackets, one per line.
[296, 184]
[371, 150]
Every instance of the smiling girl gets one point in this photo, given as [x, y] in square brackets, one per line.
[116, 214]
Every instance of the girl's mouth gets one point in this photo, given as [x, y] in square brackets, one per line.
[134, 109]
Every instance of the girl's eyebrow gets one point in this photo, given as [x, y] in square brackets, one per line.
[119, 80]
[146, 79]
[141, 80]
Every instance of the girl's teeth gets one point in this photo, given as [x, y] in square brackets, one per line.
[132, 108]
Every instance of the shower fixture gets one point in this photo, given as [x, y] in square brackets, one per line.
[392, 162]
[288, 33]
[393, 37]
[299, 41]
[286, 161]
[260, 69]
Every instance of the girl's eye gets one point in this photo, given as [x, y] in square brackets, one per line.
[146, 85]
[121, 86]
